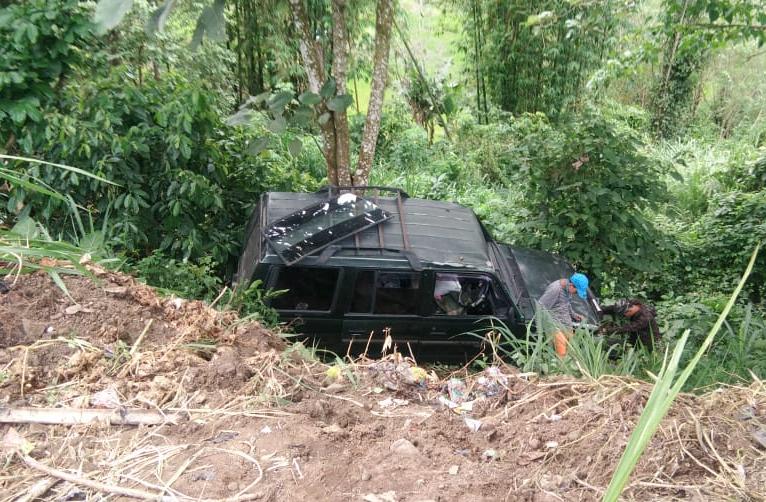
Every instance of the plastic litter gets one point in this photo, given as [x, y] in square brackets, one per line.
[107, 398]
[473, 424]
[492, 382]
[457, 390]
[391, 403]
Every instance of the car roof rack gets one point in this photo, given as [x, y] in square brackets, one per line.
[334, 190]
[436, 231]
[331, 250]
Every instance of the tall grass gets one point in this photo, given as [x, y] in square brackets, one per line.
[665, 390]
[27, 243]
[588, 355]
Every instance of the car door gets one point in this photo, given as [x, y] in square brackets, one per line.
[384, 302]
[461, 305]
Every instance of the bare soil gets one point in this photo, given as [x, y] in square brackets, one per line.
[263, 421]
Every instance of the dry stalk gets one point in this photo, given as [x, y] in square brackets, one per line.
[38, 489]
[95, 485]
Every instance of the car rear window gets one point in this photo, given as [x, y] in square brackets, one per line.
[308, 288]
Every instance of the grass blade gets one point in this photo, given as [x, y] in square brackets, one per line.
[663, 395]
[62, 166]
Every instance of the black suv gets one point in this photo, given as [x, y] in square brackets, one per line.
[425, 271]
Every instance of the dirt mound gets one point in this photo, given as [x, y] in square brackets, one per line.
[110, 331]
[253, 419]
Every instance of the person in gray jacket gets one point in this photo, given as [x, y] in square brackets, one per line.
[555, 308]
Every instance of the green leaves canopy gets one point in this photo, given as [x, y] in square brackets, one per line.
[588, 185]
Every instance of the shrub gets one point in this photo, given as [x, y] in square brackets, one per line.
[187, 182]
[186, 279]
[587, 188]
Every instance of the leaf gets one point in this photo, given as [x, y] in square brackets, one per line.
[295, 146]
[26, 228]
[676, 175]
[541, 19]
[328, 89]
[324, 118]
[212, 22]
[62, 166]
[92, 242]
[280, 100]
[260, 98]
[257, 146]
[156, 22]
[301, 116]
[60, 283]
[109, 13]
[243, 116]
[278, 125]
[340, 103]
[309, 98]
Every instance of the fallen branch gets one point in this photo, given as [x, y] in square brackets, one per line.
[73, 416]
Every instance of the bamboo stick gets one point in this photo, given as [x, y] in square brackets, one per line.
[74, 416]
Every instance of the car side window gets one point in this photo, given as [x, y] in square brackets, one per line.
[397, 293]
[461, 295]
[392, 293]
[309, 288]
[364, 292]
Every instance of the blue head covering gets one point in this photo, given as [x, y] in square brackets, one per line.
[580, 282]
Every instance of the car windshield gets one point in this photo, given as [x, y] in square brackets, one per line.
[539, 269]
[317, 226]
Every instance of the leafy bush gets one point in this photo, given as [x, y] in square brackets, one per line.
[186, 279]
[251, 302]
[587, 186]
[186, 182]
[40, 42]
[737, 351]
[726, 235]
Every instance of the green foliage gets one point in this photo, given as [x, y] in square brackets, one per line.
[588, 185]
[668, 384]
[538, 55]
[749, 176]
[688, 32]
[431, 101]
[40, 42]
[186, 181]
[252, 303]
[186, 279]
[587, 355]
[735, 223]
[740, 350]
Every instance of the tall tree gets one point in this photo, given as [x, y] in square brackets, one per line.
[535, 55]
[689, 32]
[333, 117]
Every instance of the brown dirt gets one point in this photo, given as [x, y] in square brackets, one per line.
[265, 422]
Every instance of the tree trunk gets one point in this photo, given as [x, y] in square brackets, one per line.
[339, 67]
[383, 21]
[311, 53]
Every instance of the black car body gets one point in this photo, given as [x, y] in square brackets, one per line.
[426, 272]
